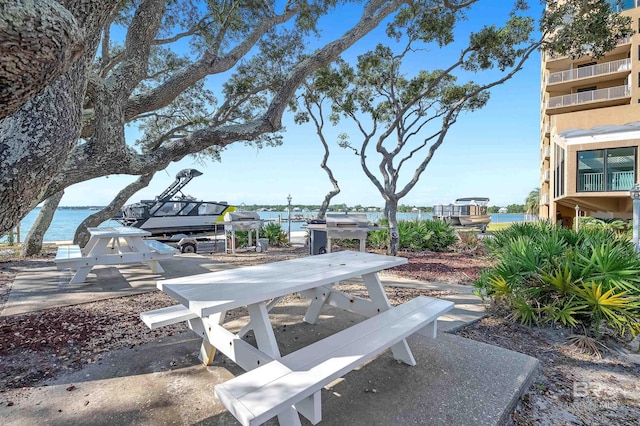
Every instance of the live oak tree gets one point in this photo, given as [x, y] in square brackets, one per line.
[39, 40]
[400, 121]
[309, 107]
[141, 63]
[150, 63]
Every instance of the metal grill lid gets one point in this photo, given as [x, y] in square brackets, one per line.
[241, 216]
[347, 220]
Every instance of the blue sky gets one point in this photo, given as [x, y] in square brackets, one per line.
[493, 152]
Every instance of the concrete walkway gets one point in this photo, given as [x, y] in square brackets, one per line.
[457, 381]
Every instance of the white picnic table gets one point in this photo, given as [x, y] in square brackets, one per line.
[258, 395]
[113, 246]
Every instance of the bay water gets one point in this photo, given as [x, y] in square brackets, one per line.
[66, 220]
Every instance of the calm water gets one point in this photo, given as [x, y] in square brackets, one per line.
[66, 221]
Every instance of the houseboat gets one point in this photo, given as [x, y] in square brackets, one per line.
[468, 212]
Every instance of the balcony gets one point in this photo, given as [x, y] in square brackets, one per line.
[546, 175]
[557, 62]
[544, 199]
[610, 96]
[595, 182]
[564, 80]
[546, 152]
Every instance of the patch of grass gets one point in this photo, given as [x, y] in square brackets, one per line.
[493, 227]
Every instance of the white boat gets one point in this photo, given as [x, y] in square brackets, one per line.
[173, 213]
[469, 211]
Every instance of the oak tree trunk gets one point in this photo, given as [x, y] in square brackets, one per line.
[36, 139]
[391, 207]
[82, 235]
[32, 245]
[33, 55]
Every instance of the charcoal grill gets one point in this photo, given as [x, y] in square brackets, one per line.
[348, 226]
[241, 221]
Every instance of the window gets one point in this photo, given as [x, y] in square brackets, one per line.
[587, 89]
[558, 173]
[606, 169]
[619, 6]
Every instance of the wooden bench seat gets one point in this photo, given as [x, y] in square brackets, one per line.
[161, 248]
[166, 316]
[271, 389]
[69, 257]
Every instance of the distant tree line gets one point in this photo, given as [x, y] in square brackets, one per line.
[511, 208]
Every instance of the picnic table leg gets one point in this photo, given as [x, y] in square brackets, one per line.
[155, 266]
[248, 327]
[262, 329]
[267, 343]
[317, 301]
[137, 244]
[81, 275]
[96, 246]
[207, 350]
[401, 350]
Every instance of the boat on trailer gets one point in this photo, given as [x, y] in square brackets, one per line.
[468, 212]
[173, 213]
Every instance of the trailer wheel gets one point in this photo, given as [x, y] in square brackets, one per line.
[188, 248]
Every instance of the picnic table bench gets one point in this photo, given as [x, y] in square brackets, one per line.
[112, 246]
[285, 386]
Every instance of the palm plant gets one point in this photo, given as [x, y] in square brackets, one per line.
[275, 234]
[542, 274]
[532, 203]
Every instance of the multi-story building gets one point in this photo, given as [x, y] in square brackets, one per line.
[590, 130]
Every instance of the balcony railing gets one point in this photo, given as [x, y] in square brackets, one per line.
[617, 181]
[546, 152]
[550, 56]
[546, 175]
[544, 199]
[590, 96]
[590, 71]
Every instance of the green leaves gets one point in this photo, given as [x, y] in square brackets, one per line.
[274, 233]
[417, 236]
[548, 274]
[581, 27]
[616, 309]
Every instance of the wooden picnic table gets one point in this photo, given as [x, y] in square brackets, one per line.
[250, 397]
[113, 246]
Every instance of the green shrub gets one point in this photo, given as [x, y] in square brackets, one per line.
[378, 239]
[275, 234]
[242, 238]
[416, 236]
[271, 231]
[546, 274]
